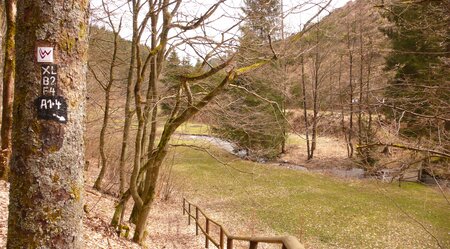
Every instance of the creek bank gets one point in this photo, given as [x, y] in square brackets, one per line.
[344, 173]
[232, 148]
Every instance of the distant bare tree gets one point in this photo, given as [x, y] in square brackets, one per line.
[110, 79]
[350, 48]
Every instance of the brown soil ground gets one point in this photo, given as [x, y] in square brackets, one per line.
[330, 153]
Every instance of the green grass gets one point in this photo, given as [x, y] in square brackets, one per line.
[325, 212]
[194, 129]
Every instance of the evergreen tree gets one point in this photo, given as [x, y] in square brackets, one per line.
[262, 17]
[173, 60]
[173, 68]
[256, 102]
[420, 58]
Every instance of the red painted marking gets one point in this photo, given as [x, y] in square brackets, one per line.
[43, 53]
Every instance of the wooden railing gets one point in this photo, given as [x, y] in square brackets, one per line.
[195, 213]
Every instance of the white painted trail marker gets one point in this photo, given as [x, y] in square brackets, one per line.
[45, 54]
[49, 105]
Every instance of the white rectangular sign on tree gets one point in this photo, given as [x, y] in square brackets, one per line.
[45, 55]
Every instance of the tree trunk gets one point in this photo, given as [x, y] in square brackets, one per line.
[2, 30]
[360, 100]
[368, 106]
[98, 182]
[128, 112]
[119, 210]
[284, 113]
[146, 169]
[285, 72]
[350, 125]
[305, 112]
[141, 223]
[46, 193]
[152, 97]
[134, 67]
[8, 87]
[101, 175]
[3, 27]
[144, 199]
[341, 103]
[315, 92]
[135, 210]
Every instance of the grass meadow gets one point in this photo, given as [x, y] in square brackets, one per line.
[323, 211]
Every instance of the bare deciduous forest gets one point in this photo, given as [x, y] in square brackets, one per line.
[225, 124]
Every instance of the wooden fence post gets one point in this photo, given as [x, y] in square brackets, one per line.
[221, 238]
[207, 233]
[196, 220]
[229, 243]
[286, 241]
[189, 213]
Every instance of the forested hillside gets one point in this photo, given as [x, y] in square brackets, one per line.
[313, 72]
[342, 78]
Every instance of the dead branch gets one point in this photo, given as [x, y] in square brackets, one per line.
[405, 147]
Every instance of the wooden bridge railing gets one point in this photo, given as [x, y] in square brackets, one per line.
[287, 242]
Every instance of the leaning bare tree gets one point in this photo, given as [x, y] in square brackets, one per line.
[46, 193]
[143, 83]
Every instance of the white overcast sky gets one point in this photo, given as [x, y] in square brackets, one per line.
[225, 17]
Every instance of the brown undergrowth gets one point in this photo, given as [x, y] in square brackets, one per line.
[167, 227]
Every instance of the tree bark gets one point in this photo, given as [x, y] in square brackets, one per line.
[118, 211]
[46, 193]
[8, 87]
